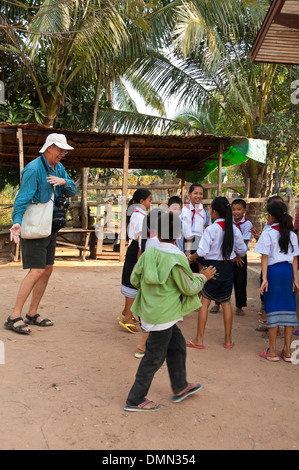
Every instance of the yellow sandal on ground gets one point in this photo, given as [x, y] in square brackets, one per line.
[129, 327]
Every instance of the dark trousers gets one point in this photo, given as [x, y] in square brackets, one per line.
[240, 283]
[167, 344]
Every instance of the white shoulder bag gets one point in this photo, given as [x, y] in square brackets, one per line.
[37, 220]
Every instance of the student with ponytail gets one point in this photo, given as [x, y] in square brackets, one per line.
[137, 210]
[279, 249]
[220, 244]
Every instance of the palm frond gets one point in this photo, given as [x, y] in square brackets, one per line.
[135, 123]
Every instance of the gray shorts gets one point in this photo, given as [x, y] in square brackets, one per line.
[39, 252]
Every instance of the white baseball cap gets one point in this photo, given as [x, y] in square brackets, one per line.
[59, 140]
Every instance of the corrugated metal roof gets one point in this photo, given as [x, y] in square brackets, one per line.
[278, 38]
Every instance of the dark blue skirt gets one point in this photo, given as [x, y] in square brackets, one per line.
[280, 300]
[219, 289]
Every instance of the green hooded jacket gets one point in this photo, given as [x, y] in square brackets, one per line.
[167, 288]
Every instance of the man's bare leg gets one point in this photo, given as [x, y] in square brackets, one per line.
[38, 292]
[25, 289]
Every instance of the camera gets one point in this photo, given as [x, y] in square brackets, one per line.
[61, 202]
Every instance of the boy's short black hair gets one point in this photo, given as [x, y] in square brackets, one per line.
[169, 227]
[239, 201]
[274, 198]
[175, 200]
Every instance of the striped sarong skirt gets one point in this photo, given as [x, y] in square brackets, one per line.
[280, 300]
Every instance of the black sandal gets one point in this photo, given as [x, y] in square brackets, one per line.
[10, 325]
[32, 321]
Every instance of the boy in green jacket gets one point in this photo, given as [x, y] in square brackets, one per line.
[167, 291]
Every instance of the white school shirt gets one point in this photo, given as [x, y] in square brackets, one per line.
[136, 222]
[268, 244]
[211, 242]
[147, 327]
[194, 224]
[152, 241]
[244, 226]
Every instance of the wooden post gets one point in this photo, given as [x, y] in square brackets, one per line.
[84, 181]
[21, 150]
[220, 155]
[123, 229]
[21, 166]
[183, 187]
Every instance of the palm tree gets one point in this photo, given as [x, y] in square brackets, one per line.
[208, 66]
[59, 41]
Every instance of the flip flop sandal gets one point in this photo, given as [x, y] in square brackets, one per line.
[190, 344]
[229, 346]
[139, 354]
[214, 309]
[32, 321]
[265, 355]
[142, 407]
[129, 327]
[10, 325]
[192, 388]
[285, 358]
[133, 319]
[262, 328]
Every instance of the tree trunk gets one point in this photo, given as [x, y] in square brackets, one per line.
[255, 172]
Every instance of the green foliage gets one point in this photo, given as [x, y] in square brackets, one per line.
[7, 196]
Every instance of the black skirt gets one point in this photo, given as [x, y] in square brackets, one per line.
[219, 289]
[130, 261]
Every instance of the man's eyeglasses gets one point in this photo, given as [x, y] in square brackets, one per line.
[61, 151]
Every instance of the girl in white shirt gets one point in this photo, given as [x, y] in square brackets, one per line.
[278, 246]
[194, 220]
[137, 210]
[219, 245]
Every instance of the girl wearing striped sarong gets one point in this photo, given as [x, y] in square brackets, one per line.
[278, 246]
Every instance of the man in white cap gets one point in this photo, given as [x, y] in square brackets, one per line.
[38, 179]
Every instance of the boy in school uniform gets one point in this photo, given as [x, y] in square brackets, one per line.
[167, 291]
[175, 205]
[240, 263]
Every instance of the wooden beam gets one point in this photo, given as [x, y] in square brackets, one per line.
[219, 178]
[123, 230]
[84, 178]
[183, 183]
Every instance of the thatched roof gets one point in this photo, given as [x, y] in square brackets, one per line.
[104, 150]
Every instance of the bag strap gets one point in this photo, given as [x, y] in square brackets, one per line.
[45, 166]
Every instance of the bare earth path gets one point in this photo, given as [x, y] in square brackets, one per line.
[64, 387]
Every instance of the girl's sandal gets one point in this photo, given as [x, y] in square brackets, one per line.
[265, 355]
[129, 327]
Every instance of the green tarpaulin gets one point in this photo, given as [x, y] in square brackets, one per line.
[241, 150]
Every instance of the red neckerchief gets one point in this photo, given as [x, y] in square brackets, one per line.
[151, 234]
[222, 224]
[276, 227]
[238, 224]
[136, 210]
[195, 211]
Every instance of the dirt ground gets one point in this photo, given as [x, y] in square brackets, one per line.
[64, 388]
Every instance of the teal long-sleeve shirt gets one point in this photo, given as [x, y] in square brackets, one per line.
[35, 188]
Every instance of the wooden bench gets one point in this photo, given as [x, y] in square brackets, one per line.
[65, 237]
